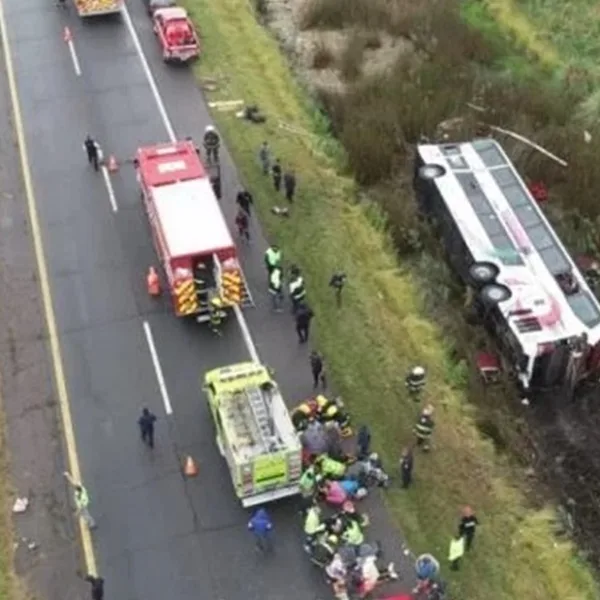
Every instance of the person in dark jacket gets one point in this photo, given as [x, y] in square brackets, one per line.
[276, 172]
[363, 443]
[467, 526]
[289, 185]
[317, 369]
[406, 467]
[97, 587]
[245, 201]
[146, 423]
[304, 315]
[261, 526]
[242, 223]
[91, 148]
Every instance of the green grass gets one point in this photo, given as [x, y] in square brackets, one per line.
[380, 331]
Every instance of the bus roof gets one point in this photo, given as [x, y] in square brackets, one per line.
[191, 218]
[501, 223]
[164, 164]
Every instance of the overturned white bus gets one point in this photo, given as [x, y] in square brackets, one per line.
[527, 289]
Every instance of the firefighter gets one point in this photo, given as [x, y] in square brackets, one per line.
[313, 526]
[273, 258]
[424, 427]
[211, 142]
[303, 413]
[276, 172]
[216, 315]
[353, 534]
[329, 411]
[415, 382]
[296, 288]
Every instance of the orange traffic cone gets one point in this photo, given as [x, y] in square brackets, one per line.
[153, 282]
[191, 468]
[112, 164]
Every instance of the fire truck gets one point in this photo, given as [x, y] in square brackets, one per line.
[94, 8]
[189, 231]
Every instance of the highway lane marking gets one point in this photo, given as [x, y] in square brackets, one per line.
[158, 369]
[71, 44]
[140, 52]
[243, 325]
[106, 176]
[55, 350]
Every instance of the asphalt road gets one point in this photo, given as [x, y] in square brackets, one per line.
[159, 535]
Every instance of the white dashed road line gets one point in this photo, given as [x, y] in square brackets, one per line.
[158, 369]
[68, 38]
[106, 176]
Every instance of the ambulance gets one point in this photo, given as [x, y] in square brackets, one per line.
[254, 433]
[189, 232]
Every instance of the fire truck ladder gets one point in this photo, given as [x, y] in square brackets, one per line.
[262, 415]
[246, 296]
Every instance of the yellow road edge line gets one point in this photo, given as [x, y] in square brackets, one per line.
[56, 354]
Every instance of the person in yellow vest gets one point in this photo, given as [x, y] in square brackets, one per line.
[273, 258]
[456, 552]
[216, 315]
[303, 414]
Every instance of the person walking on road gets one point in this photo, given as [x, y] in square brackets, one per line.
[264, 156]
[467, 526]
[273, 258]
[146, 424]
[245, 201]
[261, 526]
[289, 185]
[276, 172]
[304, 315]
[276, 289]
[82, 501]
[406, 467]
[243, 225]
[212, 143]
[317, 368]
[96, 586]
[297, 291]
[91, 148]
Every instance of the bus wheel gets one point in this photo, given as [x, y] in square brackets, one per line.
[483, 273]
[494, 293]
[429, 172]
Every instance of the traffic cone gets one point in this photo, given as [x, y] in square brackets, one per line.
[112, 164]
[191, 468]
[153, 282]
[67, 37]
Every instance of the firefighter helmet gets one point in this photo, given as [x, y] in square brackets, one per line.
[428, 410]
[417, 371]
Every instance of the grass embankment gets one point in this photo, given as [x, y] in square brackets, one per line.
[371, 342]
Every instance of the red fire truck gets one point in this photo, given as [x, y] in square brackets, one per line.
[189, 231]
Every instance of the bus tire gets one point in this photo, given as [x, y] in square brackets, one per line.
[483, 273]
[431, 171]
[494, 293]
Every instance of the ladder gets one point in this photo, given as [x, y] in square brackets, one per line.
[262, 415]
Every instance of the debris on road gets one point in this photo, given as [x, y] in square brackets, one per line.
[20, 505]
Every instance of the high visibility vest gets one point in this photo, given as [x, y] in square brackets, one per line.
[273, 257]
[457, 549]
[275, 281]
[307, 481]
[297, 291]
[82, 500]
[354, 535]
[312, 523]
[424, 427]
[322, 402]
